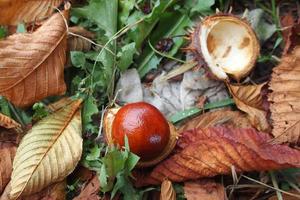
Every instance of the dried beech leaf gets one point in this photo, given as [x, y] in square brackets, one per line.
[7, 152]
[215, 118]
[213, 151]
[285, 98]
[48, 152]
[249, 99]
[90, 190]
[59, 104]
[8, 122]
[32, 64]
[167, 191]
[76, 43]
[16, 11]
[204, 190]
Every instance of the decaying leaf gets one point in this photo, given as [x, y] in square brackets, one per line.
[76, 43]
[204, 189]
[226, 117]
[7, 152]
[15, 11]
[167, 191]
[285, 106]
[286, 196]
[290, 33]
[249, 99]
[213, 151]
[48, 152]
[32, 64]
[90, 190]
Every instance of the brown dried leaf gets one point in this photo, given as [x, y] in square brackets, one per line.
[204, 189]
[213, 151]
[32, 64]
[7, 152]
[286, 196]
[290, 33]
[285, 106]
[9, 123]
[90, 190]
[16, 11]
[167, 191]
[56, 191]
[234, 119]
[249, 99]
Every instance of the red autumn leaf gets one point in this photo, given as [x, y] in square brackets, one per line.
[90, 190]
[204, 189]
[213, 151]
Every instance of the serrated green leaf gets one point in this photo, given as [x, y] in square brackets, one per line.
[40, 111]
[78, 59]
[126, 56]
[3, 32]
[103, 177]
[125, 7]
[131, 161]
[89, 109]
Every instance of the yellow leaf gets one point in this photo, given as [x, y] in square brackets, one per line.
[16, 11]
[48, 152]
[249, 99]
[32, 64]
[167, 191]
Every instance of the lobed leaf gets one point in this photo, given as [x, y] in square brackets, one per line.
[285, 96]
[32, 64]
[48, 152]
[213, 151]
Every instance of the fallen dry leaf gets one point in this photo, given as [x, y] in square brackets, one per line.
[9, 123]
[78, 43]
[204, 189]
[249, 99]
[285, 96]
[32, 64]
[286, 196]
[90, 190]
[167, 191]
[56, 191]
[16, 11]
[48, 152]
[290, 33]
[233, 119]
[213, 151]
[7, 152]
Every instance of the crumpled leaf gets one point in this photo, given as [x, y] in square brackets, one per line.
[90, 190]
[285, 107]
[32, 64]
[15, 11]
[170, 96]
[204, 189]
[167, 191]
[249, 99]
[213, 151]
[234, 119]
[48, 152]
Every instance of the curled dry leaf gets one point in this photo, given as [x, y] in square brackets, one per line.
[90, 190]
[285, 96]
[290, 33]
[77, 43]
[167, 191]
[233, 119]
[9, 123]
[32, 64]
[249, 99]
[16, 11]
[213, 151]
[48, 152]
[204, 189]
